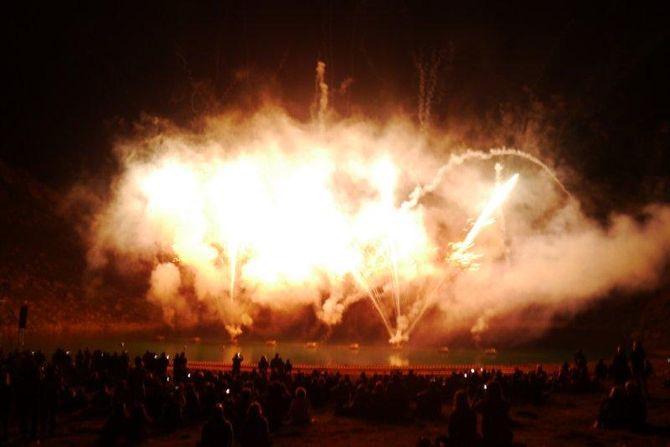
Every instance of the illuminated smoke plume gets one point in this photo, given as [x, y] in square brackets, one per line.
[263, 211]
[571, 261]
[428, 69]
[322, 92]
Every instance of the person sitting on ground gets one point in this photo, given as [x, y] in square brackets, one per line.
[637, 407]
[398, 398]
[172, 413]
[462, 428]
[192, 408]
[49, 390]
[299, 412]
[429, 402]
[380, 405]
[494, 409]
[138, 424]
[276, 403]
[637, 366]
[240, 408]
[360, 405]
[217, 431]
[614, 409]
[115, 425]
[341, 395]
[255, 431]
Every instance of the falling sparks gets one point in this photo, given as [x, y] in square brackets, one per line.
[266, 211]
[260, 211]
[461, 255]
[277, 222]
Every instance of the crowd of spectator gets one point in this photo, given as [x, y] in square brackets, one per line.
[152, 394]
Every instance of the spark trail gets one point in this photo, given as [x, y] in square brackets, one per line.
[284, 211]
[458, 159]
[461, 256]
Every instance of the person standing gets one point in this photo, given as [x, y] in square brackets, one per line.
[237, 363]
[637, 366]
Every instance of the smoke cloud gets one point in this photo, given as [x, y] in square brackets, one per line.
[264, 212]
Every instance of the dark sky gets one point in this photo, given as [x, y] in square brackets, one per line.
[79, 72]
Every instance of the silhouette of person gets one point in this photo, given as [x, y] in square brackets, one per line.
[462, 428]
[637, 366]
[255, 430]
[217, 431]
[619, 368]
[237, 363]
[614, 409]
[276, 364]
[494, 409]
[299, 411]
[263, 365]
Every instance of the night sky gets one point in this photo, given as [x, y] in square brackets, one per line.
[80, 73]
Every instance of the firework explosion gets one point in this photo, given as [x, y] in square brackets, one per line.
[259, 211]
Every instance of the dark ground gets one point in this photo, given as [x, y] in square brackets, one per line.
[565, 420]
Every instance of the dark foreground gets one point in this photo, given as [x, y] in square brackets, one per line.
[105, 399]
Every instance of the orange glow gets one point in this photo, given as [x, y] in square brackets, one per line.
[274, 213]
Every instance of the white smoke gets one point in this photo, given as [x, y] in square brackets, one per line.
[253, 212]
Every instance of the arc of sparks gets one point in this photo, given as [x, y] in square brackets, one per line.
[499, 195]
[461, 256]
